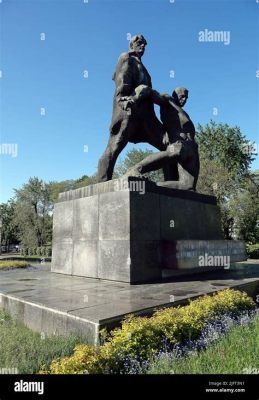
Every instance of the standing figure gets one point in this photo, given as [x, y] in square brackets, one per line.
[133, 119]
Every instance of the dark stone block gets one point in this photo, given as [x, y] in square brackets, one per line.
[132, 231]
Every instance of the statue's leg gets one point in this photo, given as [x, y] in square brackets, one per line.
[154, 129]
[156, 135]
[116, 144]
[153, 163]
[188, 167]
[186, 181]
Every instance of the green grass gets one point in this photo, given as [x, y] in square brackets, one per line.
[236, 353]
[34, 258]
[26, 350]
[6, 264]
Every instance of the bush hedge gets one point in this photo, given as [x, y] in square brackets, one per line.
[141, 338]
[8, 264]
[37, 251]
[253, 250]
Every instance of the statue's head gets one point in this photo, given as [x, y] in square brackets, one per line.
[137, 44]
[180, 96]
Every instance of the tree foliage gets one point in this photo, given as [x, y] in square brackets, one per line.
[27, 219]
[244, 209]
[9, 230]
[227, 145]
[226, 156]
[55, 187]
[33, 213]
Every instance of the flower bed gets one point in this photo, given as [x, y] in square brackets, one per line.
[140, 339]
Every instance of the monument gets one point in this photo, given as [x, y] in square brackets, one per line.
[132, 121]
[132, 229]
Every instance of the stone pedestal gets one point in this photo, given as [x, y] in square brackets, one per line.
[134, 231]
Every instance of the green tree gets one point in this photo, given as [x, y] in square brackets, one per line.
[85, 180]
[227, 145]
[9, 231]
[33, 213]
[225, 156]
[55, 187]
[244, 208]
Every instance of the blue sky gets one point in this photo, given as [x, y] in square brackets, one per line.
[68, 75]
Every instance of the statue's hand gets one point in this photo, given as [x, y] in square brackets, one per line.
[165, 140]
[183, 135]
[126, 102]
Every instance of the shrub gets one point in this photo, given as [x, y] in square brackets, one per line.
[24, 251]
[6, 264]
[48, 251]
[253, 250]
[30, 251]
[84, 360]
[141, 338]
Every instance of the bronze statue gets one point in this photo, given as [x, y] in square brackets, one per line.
[134, 120]
[131, 122]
